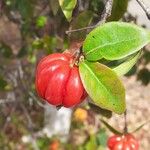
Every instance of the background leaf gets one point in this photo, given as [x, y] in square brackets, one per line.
[118, 9]
[115, 41]
[82, 20]
[91, 144]
[25, 8]
[3, 83]
[127, 65]
[103, 86]
[41, 21]
[141, 126]
[102, 137]
[67, 7]
[112, 129]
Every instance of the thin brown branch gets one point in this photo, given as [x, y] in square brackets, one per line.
[106, 13]
[144, 7]
[125, 122]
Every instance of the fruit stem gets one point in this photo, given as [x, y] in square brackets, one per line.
[58, 107]
[125, 123]
[78, 53]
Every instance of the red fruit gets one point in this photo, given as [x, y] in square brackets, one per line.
[124, 142]
[58, 80]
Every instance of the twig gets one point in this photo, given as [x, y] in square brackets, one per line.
[30, 126]
[30, 122]
[145, 8]
[125, 123]
[34, 98]
[106, 13]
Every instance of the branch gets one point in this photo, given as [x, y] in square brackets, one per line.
[125, 122]
[105, 14]
[34, 98]
[145, 8]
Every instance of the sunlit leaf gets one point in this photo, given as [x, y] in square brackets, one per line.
[114, 40]
[103, 86]
[67, 7]
[126, 66]
[41, 21]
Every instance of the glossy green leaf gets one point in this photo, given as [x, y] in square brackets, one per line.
[127, 65]
[67, 7]
[114, 41]
[103, 86]
[118, 9]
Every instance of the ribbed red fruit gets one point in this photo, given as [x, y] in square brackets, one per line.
[124, 142]
[58, 80]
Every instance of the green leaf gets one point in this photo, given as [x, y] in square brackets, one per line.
[141, 126]
[112, 129]
[25, 7]
[97, 6]
[102, 137]
[127, 65]
[5, 50]
[41, 21]
[3, 83]
[82, 20]
[103, 86]
[114, 41]
[118, 9]
[67, 7]
[91, 144]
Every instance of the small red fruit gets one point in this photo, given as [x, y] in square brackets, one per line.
[124, 142]
[58, 80]
[54, 145]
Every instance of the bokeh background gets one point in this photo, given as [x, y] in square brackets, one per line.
[32, 29]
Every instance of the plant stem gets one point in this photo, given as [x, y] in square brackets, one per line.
[125, 122]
